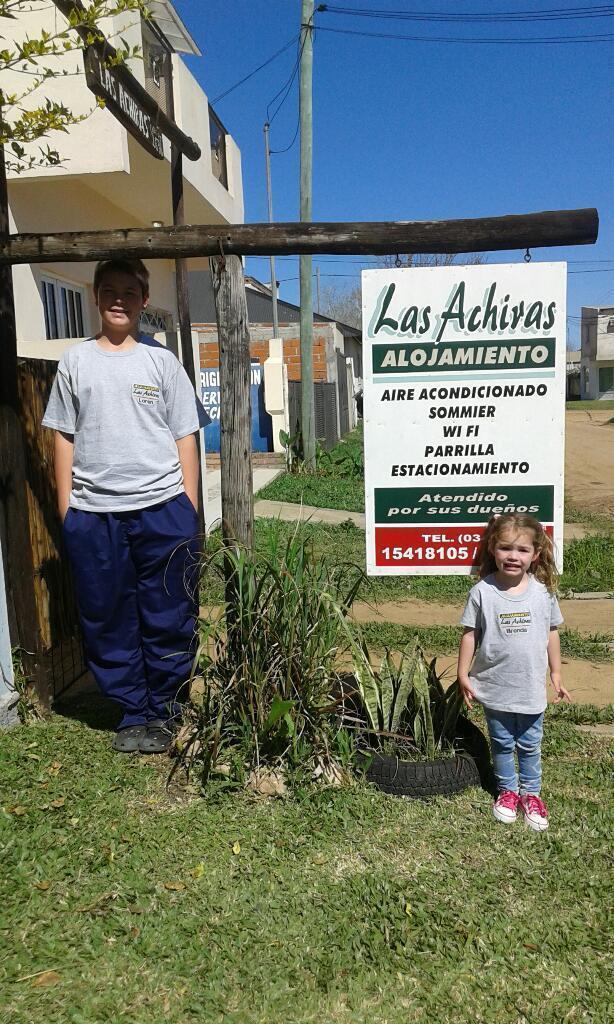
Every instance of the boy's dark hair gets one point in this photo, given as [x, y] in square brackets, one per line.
[135, 267]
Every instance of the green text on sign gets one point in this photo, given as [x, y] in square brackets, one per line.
[461, 504]
[486, 354]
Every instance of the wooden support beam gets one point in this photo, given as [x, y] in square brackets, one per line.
[483, 234]
[235, 403]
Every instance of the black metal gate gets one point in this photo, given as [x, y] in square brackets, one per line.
[325, 399]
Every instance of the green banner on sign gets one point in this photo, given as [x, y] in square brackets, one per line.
[460, 504]
[485, 354]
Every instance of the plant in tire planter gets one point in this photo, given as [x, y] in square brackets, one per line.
[412, 727]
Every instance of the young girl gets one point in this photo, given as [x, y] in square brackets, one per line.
[512, 614]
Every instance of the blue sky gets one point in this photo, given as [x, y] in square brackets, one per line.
[413, 130]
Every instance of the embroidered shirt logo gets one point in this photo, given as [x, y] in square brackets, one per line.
[515, 622]
[146, 394]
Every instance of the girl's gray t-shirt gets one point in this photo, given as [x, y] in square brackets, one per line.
[126, 411]
[509, 668]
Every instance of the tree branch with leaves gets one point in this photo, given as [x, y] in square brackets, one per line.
[26, 115]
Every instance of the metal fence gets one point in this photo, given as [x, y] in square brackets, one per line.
[325, 399]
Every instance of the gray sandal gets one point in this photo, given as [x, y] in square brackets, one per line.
[157, 738]
[127, 740]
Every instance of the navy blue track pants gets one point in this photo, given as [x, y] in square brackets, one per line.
[136, 575]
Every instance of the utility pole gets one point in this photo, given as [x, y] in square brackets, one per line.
[267, 155]
[306, 285]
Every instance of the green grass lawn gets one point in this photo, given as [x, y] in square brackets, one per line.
[589, 565]
[124, 904]
[580, 406]
[445, 640]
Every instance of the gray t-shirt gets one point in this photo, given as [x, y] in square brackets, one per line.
[509, 668]
[126, 411]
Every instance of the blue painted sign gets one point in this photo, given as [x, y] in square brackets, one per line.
[262, 430]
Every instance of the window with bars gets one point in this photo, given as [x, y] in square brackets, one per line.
[153, 320]
[64, 307]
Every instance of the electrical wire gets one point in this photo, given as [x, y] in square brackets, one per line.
[553, 14]
[518, 41]
[251, 74]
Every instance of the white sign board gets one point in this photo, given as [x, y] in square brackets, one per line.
[464, 409]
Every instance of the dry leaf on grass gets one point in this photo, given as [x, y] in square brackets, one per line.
[199, 870]
[267, 783]
[236, 849]
[17, 810]
[174, 886]
[46, 978]
[43, 886]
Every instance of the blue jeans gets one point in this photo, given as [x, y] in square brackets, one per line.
[511, 732]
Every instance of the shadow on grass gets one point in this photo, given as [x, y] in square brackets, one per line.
[90, 708]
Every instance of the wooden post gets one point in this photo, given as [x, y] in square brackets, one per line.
[14, 521]
[181, 280]
[235, 404]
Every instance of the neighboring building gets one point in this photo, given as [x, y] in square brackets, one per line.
[572, 387]
[597, 352]
[107, 180]
[337, 355]
[329, 336]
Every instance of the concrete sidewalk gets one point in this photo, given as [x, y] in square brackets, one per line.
[288, 511]
[213, 508]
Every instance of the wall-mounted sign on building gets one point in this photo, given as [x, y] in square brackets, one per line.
[262, 437]
[464, 403]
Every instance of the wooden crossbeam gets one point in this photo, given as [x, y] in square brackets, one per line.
[482, 234]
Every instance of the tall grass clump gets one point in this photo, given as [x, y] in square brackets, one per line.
[269, 660]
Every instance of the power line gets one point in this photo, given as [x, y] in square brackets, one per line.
[554, 14]
[251, 74]
[519, 41]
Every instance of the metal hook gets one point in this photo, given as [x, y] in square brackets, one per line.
[527, 256]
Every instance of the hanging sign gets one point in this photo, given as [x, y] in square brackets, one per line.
[123, 102]
[464, 405]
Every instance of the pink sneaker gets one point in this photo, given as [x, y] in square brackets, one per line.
[535, 812]
[504, 807]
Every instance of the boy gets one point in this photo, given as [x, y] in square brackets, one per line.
[126, 467]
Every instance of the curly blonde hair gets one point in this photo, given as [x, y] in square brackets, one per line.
[544, 569]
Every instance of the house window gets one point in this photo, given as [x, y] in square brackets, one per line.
[606, 378]
[610, 328]
[64, 306]
[217, 136]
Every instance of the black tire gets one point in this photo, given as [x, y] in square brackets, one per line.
[422, 779]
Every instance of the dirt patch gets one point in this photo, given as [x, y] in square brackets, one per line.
[586, 616]
[589, 460]
[587, 681]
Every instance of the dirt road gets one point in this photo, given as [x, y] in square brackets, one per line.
[589, 460]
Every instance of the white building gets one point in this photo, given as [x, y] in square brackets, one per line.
[107, 180]
[597, 353]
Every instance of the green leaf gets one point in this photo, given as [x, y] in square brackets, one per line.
[279, 709]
